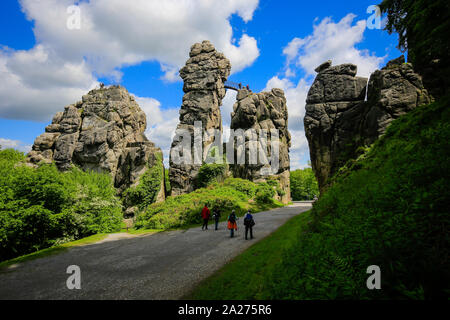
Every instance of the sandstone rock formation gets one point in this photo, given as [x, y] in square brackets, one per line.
[339, 119]
[105, 133]
[204, 76]
[263, 111]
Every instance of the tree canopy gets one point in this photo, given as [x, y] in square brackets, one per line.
[423, 27]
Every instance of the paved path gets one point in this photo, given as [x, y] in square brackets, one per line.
[158, 266]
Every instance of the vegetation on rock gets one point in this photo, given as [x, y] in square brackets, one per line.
[148, 187]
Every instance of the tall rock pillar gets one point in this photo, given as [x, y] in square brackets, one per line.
[260, 115]
[204, 76]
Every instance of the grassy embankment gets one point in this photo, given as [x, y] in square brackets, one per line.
[389, 208]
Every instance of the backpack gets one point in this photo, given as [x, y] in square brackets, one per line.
[248, 221]
[232, 218]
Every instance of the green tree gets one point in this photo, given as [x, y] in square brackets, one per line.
[303, 184]
[42, 206]
[423, 27]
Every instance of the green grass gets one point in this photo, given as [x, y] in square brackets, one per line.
[389, 208]
[244, 277]
[142, 231]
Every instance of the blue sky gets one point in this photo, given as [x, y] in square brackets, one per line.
[141, 45]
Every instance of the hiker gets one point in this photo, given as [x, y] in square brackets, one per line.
[232, 225]
[205, 216]
[248, 223]
[216, 217]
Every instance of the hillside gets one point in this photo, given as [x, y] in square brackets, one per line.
[387, 208]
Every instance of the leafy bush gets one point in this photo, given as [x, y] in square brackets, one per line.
[42, 206]
[148, 188]
[245, 186]
[390, 210]
[264, 193]
[209, 173]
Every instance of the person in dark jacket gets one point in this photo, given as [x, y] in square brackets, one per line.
[248, 223]
[205, 216]
[232, 225]
[216, 217]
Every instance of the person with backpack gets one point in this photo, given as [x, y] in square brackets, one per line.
[205, 216]
[232, 225]
[248, 223]
[216, 217]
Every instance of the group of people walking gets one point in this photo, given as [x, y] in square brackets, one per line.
[249, 222]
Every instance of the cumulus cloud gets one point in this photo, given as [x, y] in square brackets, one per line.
[115, 33]
[296, 97]
[329, 40]
[161, 124]
[36, 83]
[14, 144]
[335, 41]
[112, 34]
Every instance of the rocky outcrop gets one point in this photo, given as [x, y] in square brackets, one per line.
[263, 112]
[392, 92]
[105, 133]
[339, 119]
[204, 76]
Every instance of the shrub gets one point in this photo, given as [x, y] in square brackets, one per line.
[209, 173]
[42, 206]
[264, 193]
[245, 186]
[147, 190]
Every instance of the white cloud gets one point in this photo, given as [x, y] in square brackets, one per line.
[114, 33]
[329, 41]
[35, 84]
[335, 41]
[161, 124]
[14, 144]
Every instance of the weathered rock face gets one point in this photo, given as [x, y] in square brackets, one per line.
[263, 112]
[204, 76]
[105, 133]
[392, 92]
[338, 120]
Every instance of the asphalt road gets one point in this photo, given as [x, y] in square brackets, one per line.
[160, 266]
